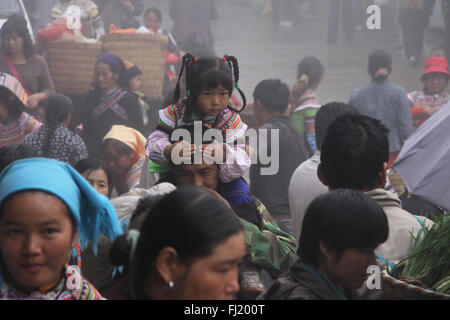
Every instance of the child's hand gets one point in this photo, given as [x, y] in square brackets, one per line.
[214, 150]
[34, 99]
[182, 148]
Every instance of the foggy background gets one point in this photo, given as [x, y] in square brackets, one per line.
[265, 50]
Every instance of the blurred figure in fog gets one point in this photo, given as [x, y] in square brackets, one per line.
[40, 12]
[192, 24]
[304, 101]
[414, 19]
[347, 20]
[446, 17]
[119, 11]
[385, 101]
[284, 12]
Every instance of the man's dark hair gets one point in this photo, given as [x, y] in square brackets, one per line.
[353, 152]
[273, 94]
[326, 115]
[341, 219]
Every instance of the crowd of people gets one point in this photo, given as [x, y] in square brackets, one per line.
[105, 211]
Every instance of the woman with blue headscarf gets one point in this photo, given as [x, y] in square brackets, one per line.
[108, 103]
[46, 209]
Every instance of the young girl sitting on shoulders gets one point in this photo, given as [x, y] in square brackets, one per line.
[209, 85]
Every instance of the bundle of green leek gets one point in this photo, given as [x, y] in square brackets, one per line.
[428, 264]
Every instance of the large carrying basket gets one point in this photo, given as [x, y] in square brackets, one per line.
[147, 51]
[72, 65]
[395, 289]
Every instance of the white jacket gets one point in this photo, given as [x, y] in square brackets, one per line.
[401, 225]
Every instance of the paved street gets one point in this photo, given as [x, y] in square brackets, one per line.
[265, 50]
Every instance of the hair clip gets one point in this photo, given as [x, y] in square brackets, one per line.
[305, 79]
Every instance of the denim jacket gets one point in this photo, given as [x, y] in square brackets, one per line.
[388, 103]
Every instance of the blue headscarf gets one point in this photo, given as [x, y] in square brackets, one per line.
[92, 211]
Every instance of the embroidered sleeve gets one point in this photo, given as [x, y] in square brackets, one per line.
[134, 175]
[233, 127]
[236, 164]
[297, 120]
[310, 127]
[168, 117]
[156, 143]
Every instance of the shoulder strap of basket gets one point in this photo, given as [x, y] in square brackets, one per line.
[421, 223]
[391, 265]
[15, 73]
[111, 103]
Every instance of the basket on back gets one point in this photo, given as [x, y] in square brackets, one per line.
[395, 289]
[147, 51]
[72, 65]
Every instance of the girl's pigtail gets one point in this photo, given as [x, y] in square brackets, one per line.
[233, 63]
[187, 59]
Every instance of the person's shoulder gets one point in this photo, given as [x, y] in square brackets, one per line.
[395, 87]
[286, 288]
[37, 59]
[359, 93]
[128, 95]
[304, 167]
[31, 137]
[68, 134]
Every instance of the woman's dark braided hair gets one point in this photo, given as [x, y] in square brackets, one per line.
[211, 71]
[58, 109]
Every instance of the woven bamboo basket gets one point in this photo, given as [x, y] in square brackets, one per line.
[395, 289]
[72, 65]
[147, 51]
